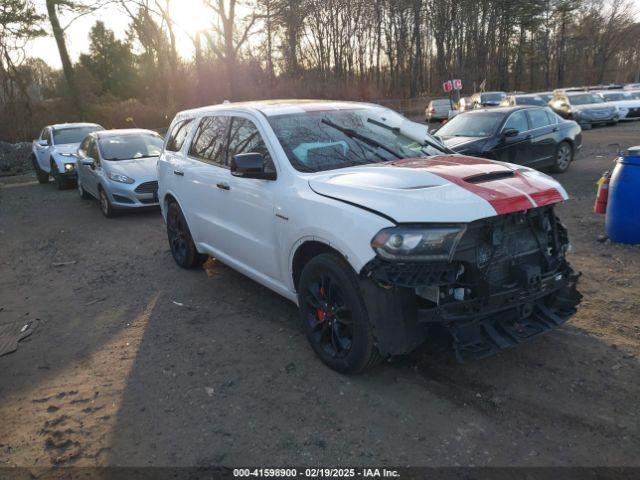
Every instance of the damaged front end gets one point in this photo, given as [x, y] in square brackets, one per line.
[506, 281]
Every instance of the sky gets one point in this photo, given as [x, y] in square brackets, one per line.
[188, 15]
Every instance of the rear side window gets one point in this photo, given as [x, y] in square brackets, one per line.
[539, 118]
[517, 120]
[210, 141]
[244, 137]
[178, 135]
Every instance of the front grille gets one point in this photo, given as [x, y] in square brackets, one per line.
[147, 187]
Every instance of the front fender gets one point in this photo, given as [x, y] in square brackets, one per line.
[344, 227]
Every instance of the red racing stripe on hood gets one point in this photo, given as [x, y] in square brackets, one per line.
[505, 195]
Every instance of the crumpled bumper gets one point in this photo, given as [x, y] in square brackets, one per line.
[481, 335]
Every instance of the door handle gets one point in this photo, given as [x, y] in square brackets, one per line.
[528, 137]
[223, 186]
[180, 173]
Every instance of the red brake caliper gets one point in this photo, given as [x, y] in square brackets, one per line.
[319, 312]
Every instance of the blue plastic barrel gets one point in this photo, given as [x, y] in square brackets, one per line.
[623, 209]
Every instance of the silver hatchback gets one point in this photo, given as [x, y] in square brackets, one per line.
[118, 167]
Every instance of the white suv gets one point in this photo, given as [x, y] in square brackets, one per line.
[378, 233]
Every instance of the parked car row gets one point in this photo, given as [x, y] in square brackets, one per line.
[379, 233]
[588, 106]
[117, 167]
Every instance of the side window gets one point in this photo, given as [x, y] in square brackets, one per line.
[47, 136]
[517, 120]
[92, 150]
[244, 137]
[210, 141]
[538, 118]
[178, 135]
[83, 148]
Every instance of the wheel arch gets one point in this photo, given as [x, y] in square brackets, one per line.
[304, 251]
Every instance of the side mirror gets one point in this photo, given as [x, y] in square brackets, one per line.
[42, 143]
[510, 133]
[89, 162]
[250, 165]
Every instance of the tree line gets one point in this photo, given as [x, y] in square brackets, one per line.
[358, 49]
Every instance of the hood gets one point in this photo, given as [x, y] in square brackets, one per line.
[457, 142]
[445, 188]
[138, 169]
[66, 148]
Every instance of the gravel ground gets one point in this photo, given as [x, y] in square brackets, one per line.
[137, 362]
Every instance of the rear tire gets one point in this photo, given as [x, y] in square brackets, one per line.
[181, 243]
[564, 157]
[334, 315]
[105, 205]
[41, 175]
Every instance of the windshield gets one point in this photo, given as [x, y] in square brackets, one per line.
[328, 140]
[72, 135]
[531, 101]
[474, 124]
[127, 147]
[617, 96]
[492, 96]
[585, 99]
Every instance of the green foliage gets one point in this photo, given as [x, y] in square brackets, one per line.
[110, 61]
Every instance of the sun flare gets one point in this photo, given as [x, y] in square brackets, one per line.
[191, 15]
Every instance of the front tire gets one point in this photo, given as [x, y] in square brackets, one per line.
[105, 205]
[564, 157]
[82, 192]
[181, 243]
[41, 175]
[334, 315]
[59, 180]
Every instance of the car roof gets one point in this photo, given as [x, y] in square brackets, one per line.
[64, 126]
[122, 131]
[527, 94]
[280, 107]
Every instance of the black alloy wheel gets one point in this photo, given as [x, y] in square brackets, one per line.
[329, 317]
[182, 247]
[334, 315]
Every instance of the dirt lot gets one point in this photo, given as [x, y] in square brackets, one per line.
[137, 362]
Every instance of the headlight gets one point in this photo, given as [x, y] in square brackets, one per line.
[117, 177]
[69, 167]
[418, 242]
